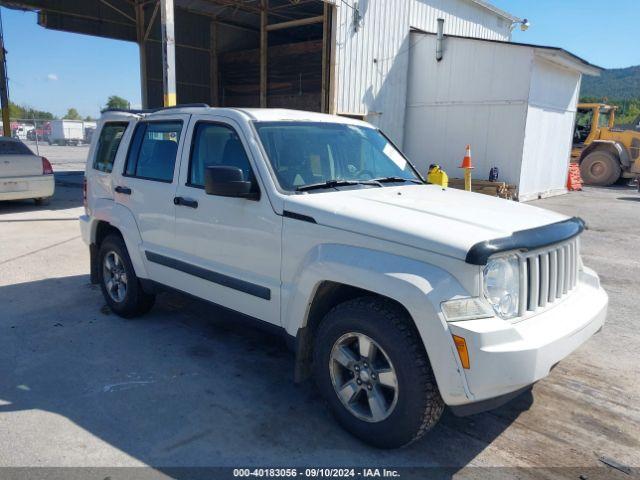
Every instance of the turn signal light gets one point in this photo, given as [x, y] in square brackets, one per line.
[463, 353]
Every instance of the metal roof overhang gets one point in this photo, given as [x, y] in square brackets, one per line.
[497, 10]
[557, 55]
[117, 18]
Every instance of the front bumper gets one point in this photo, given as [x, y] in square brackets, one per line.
[507, 357]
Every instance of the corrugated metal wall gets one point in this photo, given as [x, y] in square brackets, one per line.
[515, 107]
[478, 94]
[549, 133]
[372, 61]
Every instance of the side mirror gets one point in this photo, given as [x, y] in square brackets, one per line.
[227, 181]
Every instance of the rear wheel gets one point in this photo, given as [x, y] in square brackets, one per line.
[42, 201]
[120, 285]
[600, 168]
[371, 366]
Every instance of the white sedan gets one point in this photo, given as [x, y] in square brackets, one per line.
[23, 174]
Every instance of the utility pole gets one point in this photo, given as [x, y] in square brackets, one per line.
[4, 86]
[168, 53]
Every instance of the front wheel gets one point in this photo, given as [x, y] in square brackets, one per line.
[120, 285]
[600, 168]
[371, 367]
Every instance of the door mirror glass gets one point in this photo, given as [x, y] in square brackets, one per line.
[228, 181]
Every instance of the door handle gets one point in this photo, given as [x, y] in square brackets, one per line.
[123, 190]
[185, 202]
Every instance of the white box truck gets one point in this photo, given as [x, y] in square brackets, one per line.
[66, 132]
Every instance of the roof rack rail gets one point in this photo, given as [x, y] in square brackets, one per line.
[141, 111]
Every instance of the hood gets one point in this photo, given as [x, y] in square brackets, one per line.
[447, 221]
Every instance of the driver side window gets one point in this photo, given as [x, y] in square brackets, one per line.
[216, 144]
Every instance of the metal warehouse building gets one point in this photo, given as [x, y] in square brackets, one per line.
[357, 58]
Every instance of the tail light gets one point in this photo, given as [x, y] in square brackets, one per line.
[47, 169]
[84, 192]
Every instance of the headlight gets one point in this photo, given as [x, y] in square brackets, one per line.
[501, 285]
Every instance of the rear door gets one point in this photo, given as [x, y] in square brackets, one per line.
[148, 183]
[17, 160]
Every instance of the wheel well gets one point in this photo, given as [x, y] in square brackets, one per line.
[103, 229]
[327, 295]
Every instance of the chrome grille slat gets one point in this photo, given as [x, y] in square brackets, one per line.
[560, 272]
[547, 275]
[534, 283]
[522, 305]
[553, 275]
[544, 279]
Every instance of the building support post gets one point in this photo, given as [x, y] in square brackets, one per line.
[264, 48]
[213, 63]
[142, 46]
[4, 87]
[324, 97]
[168, 53]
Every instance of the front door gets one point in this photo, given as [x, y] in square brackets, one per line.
[229, 248]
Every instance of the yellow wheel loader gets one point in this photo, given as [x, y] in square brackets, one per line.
[606, 154]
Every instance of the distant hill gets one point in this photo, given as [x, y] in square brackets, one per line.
[615, 84]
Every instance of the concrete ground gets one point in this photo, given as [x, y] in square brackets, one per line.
[185, 386]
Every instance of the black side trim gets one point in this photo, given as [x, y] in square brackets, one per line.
[215, 277]
[298, 216]
[526, 240]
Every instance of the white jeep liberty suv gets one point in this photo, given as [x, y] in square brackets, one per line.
[399, 297]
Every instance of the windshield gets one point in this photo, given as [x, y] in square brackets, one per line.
[605, 115]
[310, 153]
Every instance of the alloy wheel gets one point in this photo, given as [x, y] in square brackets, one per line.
[114, 276]
[363, 377]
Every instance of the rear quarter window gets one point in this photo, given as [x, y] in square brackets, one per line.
[10, 147]
[108, 143]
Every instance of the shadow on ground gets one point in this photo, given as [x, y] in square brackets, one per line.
[185, 386]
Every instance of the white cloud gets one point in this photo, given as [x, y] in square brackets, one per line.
[52, 77]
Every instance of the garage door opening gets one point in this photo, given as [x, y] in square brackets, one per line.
[283, 62]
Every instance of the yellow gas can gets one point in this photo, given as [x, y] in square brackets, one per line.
[437, 176]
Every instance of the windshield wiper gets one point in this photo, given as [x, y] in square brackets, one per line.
[396, 180]
[336, 183]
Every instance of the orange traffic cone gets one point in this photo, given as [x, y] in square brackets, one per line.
[466, 161]
[468, 166]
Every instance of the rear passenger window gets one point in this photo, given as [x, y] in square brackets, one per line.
[108, 144]
[153, 151]
[216, 145]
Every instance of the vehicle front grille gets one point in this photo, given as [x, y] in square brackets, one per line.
[548, 274]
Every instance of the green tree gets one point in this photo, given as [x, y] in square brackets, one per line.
[24, 112]
[88, 118]
[116, 102]
[72, 114]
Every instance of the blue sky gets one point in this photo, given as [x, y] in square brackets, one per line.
[602, 32]
[53, 71]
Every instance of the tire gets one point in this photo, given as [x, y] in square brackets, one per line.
[600, 168]
[128, 301]
[410, 410]
[42, 201]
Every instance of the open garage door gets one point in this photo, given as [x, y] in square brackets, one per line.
[234, 53]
